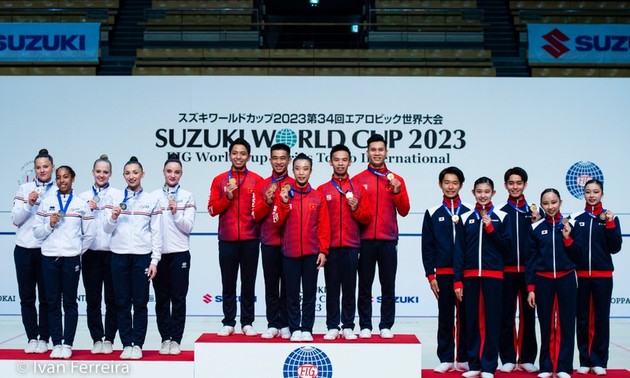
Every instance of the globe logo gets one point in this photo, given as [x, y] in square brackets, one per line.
[579, 174]
[286, 136]
[307, 362]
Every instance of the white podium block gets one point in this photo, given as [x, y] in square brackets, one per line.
[242, 356]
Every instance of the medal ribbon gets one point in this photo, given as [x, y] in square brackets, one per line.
[519, 209]
[239, 182]
[168, 191]
[339, 187]
[279, 178]
[63, 208]
[374, 171]
[478, 216]
[592, 214]
[450, 211]
[294, 190]
[44, 185]
[96, 192]
[127, 198]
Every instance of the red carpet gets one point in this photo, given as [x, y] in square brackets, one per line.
[612, 373]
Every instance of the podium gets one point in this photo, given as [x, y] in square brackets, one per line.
[242, 356]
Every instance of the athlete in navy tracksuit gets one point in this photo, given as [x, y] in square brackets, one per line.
[28, 253]
[171, 285]
[438, 244]
[600, 238]
[478, 278]
[551, 283]
[518, 347]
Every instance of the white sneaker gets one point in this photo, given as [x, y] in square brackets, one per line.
[126, 353]
[444, 367]
[471, 373]
[97, 348]
[528, 367]
[508, 367]
[136, 353]
[583, 370]
[348, 334]
[461, 366]
[387, 333]
[332, 334]
[598, 370]
[296, 336]
[248, 330]
[307, 336]
[108, 348]
[56, 352]
[175, 348]
[66, 351]
[42, 347]
[563, 374]
[485, 374]
[226, 331]
[31, 346]
[545, 375]
[285, 333]
[270, 333]
[365, 334]
[166, 347]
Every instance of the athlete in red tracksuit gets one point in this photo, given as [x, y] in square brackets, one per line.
[231, 197]
[348, 210]
[552, 287]
[478, 278]
[600, 236]
[305, 241]
[387, 197]
[265, 196]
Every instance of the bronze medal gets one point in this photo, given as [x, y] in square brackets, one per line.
[602, 216]
[565, 220]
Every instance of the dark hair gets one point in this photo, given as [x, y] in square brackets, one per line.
[72, 174]
[340, 147]
[302, 156]
[597, 182]
[102, 159]
[173, 158]
[376, 138]
[43, 153]
[549, 190]
[134, 160]
[515, 171]
[242, 142]
[484, 180]
[281, 146]
[454, 171]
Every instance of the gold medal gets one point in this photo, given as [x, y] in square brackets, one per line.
[123, 206]
[602, 216]
[565, 220]
[232, 180]
[273, 186]
[533, 208]
[390, 176]
[287, 187]
[484, 212]
[349, 195]
[455, 218]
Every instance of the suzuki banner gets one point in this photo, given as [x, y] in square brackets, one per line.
[579, 43]
[49, 42]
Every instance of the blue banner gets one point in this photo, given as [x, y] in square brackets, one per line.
[579, 43]
[49, 42]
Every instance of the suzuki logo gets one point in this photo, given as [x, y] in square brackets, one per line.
[555, 47]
